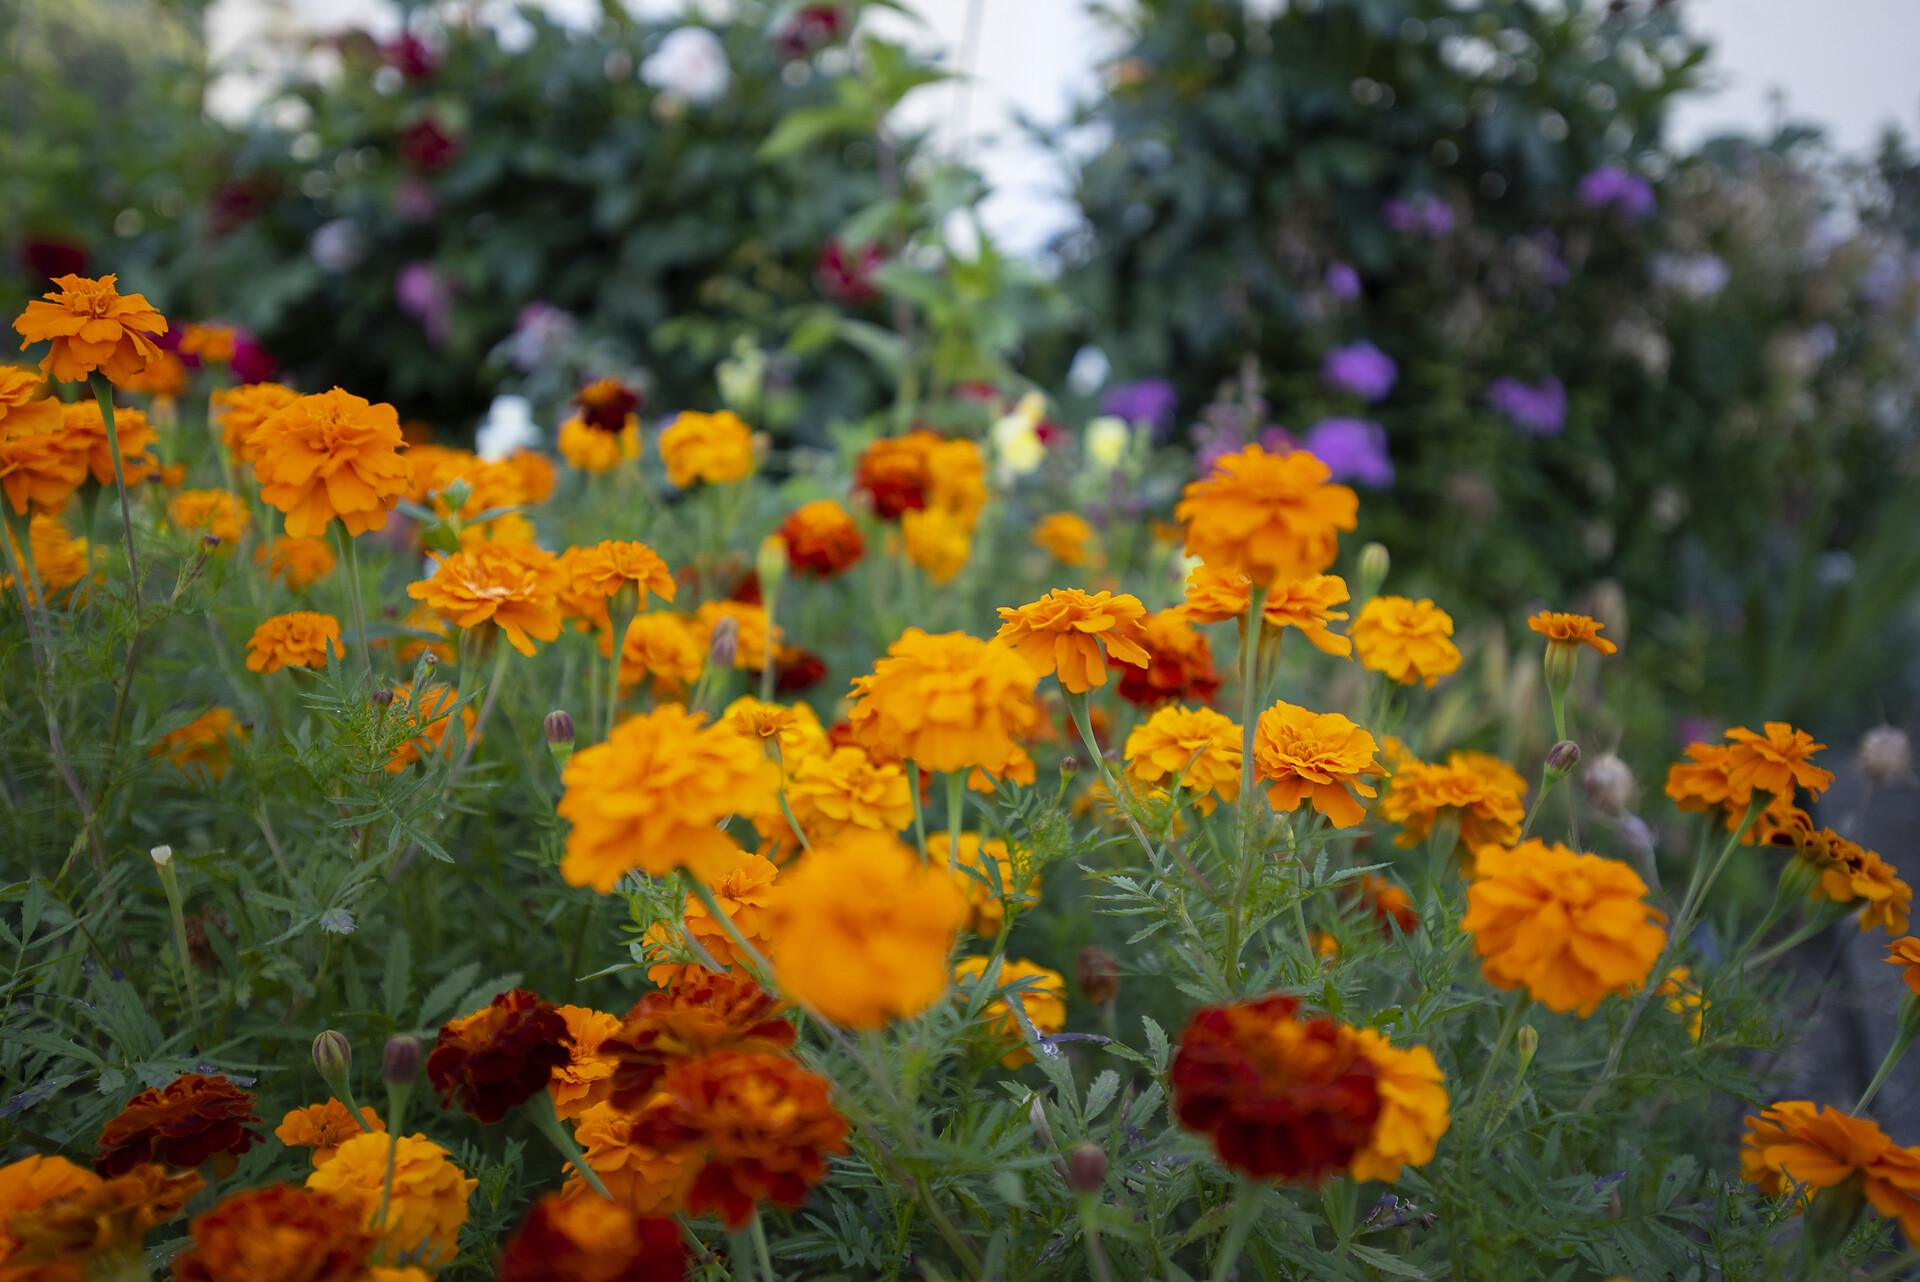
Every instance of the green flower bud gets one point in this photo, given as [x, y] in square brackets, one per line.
[1374, 563]
[333, 1057]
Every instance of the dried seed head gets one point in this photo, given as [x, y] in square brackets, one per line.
[1609, 783]
[1886, 754]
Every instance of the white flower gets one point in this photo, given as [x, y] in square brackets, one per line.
[337, 246]
[1017, 447]
[509, 428]
[690, 63]
[1107, 439]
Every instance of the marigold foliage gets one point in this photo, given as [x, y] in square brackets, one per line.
[1043, 1002]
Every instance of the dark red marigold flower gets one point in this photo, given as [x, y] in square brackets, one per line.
[281, 1231]
[497, 1058]
[589, 1239]
[1179, 663]
[188, 1122]
[605, 403]
[1282, 1098]
[821, 539]
[809, 29]
[698, 1014]
[797, 670]
[846, 275]
[412, 56]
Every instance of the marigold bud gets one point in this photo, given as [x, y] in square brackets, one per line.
[400, 1063]
[210, 540]
[560, 736]
[332, 1056]
[1559, 663]
[1609, 783]
[162, 855]
[1834, 1211]
[1069, 765]
[1562, 757]
[724, 642]
[1086, 1168]
[1528, 1041]
[1098, 975]
[1798, 877]
[1374, 564]
[383, 698]
[771, 562]
[1886, 754]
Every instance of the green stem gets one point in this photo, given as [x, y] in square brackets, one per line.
[352, 558]
[1559, 700]
[103, 396]
[1902, 1039]
[1087, 1205]
[1246, 1209]
[539, 1111]
[956, 807]
[704, 893]
[769, 669]
[1509, 1025]
[397, 1096]
[618, 623]
[1821, 921]
[176, 906]
[1249, 690]
[919, 819]
[759, 1233]
[1548, 781]
[786, 808]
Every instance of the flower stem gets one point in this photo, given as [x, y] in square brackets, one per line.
[352, 558]
[396, 1116]
[785, 807]
[920, 819]
[1087, 1205]
[539, 1111]
[769, 669]
[704, 893]
[1246, 1209]
[618, 623]
[956, 807]
[1249, 694]
[759, 1233]
[103, 396]
[1509, 1025]
[170, 882]
[1902, 1039]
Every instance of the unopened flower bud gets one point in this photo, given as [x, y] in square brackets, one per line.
[162, 856]
[1069, 764]
[1609, 783]
[210, 540]
[1037, 1114]
[724, 643]
[1562, 757]
[1374, 563]
[457, 493]
[333, 1057]
[1798, 876]
[430, 659]
[1098, 975]
[383, 698]
[1886, 754]
[1086, 1168]
[560, 736]
[1834, 1211]
[400, 1063]
[1561, 659]
[1528, 1040]
[771, 562]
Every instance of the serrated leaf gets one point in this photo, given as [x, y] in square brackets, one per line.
[1157, 1039]
[397, 985]
[441, 997]
[1101, 1094]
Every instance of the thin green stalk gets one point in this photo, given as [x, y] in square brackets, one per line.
[352, 558]
[1246, 1210]
[787, 809]
[170, 882]
[704, 893]
[919, 819]
[1087, 1207]
[1509, 1025]
[1825, 918]
[1249, 688]
[397, 1095]
[1548, 782]
[956, 807]
[759, 1232]
[1559, 701]
[621, 609]
[769, 665]
[539, 1111]
[103, 396]
[1902, 1039]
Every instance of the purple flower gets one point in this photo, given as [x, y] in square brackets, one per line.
[1278, 440]
[1611, 186]
[427, 296]
[1147, 400]
[1538, 409]
[1353, 449]
[1422, 216]
[1362, 369]
[1548, 263]
[540, 334]
[1343, 282]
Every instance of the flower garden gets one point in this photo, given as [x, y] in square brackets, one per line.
[983, 832]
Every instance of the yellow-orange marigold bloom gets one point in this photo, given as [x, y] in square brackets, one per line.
[1044, 1002]
[938, 541]
[59, 559]
[1483, 791]
[210, 342]
[1062, 633]
[91, 325]
[1906, 952]
[514, 586]
[26, 1185]
[1269, 516]
[1314, 756]
[957, 480]
[750, 647]
[862, 930]
[1685, 999]
[22, 409]
[611, 564]
[1701, 782]
[978, 869]
[1569, 928]
[301, 639]
[796, 727]
[716, 448]
[1774, 761]
[205, 741]
[1413, 1108]
[1571, 630]
[745, 895]
[1066, 536]
[85, 433]
[1196, 746]
[649, 797]
[847, 786]
[1852, 873]
[163, 378]
[429, 1200]
[240, 410]
[299, 563]
[433, 716]
[537, 476]
[215, 512]
[1799, 1143]
[664, 646]
[325, 1127]
[645, 1180]
[96, 1231]
[37, 464]
[1406, 640]
[948, 702]
[330, 455]
[282, 1233]
[592, 449]
[583, 1081]
[1307, 605]
[821, 539]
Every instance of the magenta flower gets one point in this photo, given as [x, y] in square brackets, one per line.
[1354, 449]
[1360, 369]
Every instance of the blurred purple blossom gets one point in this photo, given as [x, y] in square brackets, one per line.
[414, 200]
[1694, 277]
[1695, 730]
[1343, 282]
[540, 333]
[1146, 400]
[1611, 186]
[1424, 215]
[1552, 268]
[1354, 449]
[1538, 409]
[427, 296]
[1362, 369]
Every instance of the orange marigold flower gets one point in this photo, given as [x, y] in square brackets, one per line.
[208, 341]
[717, 448]
[1314, 756]
[644, 1180]
[1853, 873]
[666, 647]
[1701, 783]
[1063, 632]
[1388, 903]
[1571, 630]
[1215, 595]
[302, 639]
[1569, 928]
[537, 477]
[1795, 1142]
[594, 449]
[325, 1127]
[431, 720]
[37, 464]
[429, 1200]
[1774, 761]
[745, 895]
[699, 1013]
[85, 434]
[1179, 662]
[1269, 516]
[650, 796]
[796, 728]
[299, 563]
[215, 512]
[96, 1231]
[1043, 1002]
[1479, 789]
[330, 455]
[1307, 604]
[862, 929]
[241, 410]
[1413, 1108]
[1406, 640]
[1198, 747]
[32, 1182]
[1906, 952]
[750, 648]
[821, 539]
[1066, 536]
[497, 1057]
[1281, 1097]
[163, 378]
[764, 1124]
[59, 559]
[830, 791]
[192, 1120]
[589, 1239]
[91, 325]
[938, 541]
[611, 564]
[278, 1233]
[985, 873]
[205, 741]
[514, 586]
[957, 480]
[1685, 999]
[21, 408]
[895, 472]
[1781, 824]
[585, 1079]
[947, 702]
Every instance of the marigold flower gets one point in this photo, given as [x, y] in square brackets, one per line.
[302, 639]
[894, 471]
[1413, 1109]
[593, 449]
[862, 930]
[330, 455]
[59, 559]
[1774, 761]
[241, 410]
[716, 448]
[699, 1013]
[1406, 640]
[649, 798]
[1701, 782]
[1269, 516]
[751, 650]
[830, 791]
[644, 1180]
[947, 702]
[429, 1200]
[1198, 747]
[938, 541]
[279, 1233]
[1852, 873]
[1906, 952]
[434, 715]
[299, 563]
[1062, 633]
[497, 1057]
[1571, 630]
[1685, 999]
[585, 1079]
[192, 1120]
[796, 727]
[1281, 1097]
[589, 1239]
[664, 646]
[821, 539]
[215, 512]
[1569, 928]
[28, 1184]
[1388, 902]
[764, 1124]
[20, 409]
[91, 325]
[745, 895]
[957, 480]
[608, 404]
[796, 669]
[89, 1231]
[410, 645]
[537, 477]
[1065, 536]
[210, 342]
[1044, 1002]
[1179, 662]
[1481, 790]
[204, 741]
[513, 586]
[163, 378]
[325, 1127]
[85, 434]
[38, 465]
[977, 870]
[1307, 605]
[1314, 756]
[1796, 1142]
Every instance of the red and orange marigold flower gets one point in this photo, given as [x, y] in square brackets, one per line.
[332, 454]
[91, 325]
[1179, 664]
[278, 1233]
[589, 1239]
[1269, 516]
[821, 539]
[698, 1013]
[499, 1056]
[192, 1120]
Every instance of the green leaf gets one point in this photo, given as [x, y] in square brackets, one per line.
[805, 126]
[397, 987]
[440, 999]
[1101, 1093]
